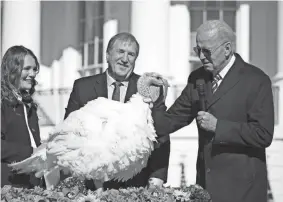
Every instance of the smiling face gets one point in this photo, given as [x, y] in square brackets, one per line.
[121, 59]
[28, 73]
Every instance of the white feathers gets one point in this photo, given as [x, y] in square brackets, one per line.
[103, 140]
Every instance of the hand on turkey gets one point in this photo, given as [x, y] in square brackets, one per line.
[155, 182]
[157, 80]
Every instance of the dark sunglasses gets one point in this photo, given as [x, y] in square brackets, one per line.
[206, 52]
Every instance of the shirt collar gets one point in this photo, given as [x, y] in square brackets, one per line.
[225, 70]
[111, 80]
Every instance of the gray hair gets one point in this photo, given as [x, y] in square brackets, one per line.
[219, 29]
[123, 36]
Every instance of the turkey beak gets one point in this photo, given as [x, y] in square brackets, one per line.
[165, 88]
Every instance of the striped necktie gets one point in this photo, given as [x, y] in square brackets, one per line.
[216, 78]
[116, 92]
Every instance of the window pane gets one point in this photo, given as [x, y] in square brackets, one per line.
[213, 4]
[90, 54]
[81, 31]
[98, 27]
[230, 18]
[82, 53]
[229, 4]
[196, 19]
[193, 43]
[82, 9]
[212, 15]
[100, 52]
[196, 4]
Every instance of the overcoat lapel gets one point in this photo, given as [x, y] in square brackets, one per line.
[101, 86]
[230, 80]
[132, 86]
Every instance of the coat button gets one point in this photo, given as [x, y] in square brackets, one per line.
[208, 170]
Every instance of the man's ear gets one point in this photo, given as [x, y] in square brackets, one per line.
[228, 49]
[107, 57]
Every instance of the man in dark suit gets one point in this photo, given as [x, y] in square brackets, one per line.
[235, 118]
[120, 83]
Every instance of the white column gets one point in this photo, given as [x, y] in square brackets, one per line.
[1, 4]
[280, 40]
[150, 26]
[243, 31]
[180, 43]
[279, 76]
[56, 83]
[110, 28]
[21, 25]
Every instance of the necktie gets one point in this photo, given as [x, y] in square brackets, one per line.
[216, 78]
[116, 92]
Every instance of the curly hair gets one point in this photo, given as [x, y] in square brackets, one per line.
[11, 69]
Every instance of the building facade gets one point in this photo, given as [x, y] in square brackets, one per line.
[70, 39]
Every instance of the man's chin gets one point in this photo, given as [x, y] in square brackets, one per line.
[208, 68]
[122, 77]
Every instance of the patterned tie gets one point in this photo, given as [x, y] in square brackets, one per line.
[216, 78]
[116, 92]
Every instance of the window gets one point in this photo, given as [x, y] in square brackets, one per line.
[201, 11]
[91, 37]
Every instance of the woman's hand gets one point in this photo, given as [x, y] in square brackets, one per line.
[41, 147]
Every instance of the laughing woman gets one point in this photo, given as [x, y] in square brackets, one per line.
[19, 122]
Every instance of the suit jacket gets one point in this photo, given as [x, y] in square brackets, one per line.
[15, 143]
[231, 162]
[92, 87]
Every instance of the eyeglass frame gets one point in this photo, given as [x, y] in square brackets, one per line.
[209, 53]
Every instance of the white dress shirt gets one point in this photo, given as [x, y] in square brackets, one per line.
[225, 70]
[110, 87]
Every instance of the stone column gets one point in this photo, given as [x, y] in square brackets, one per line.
[150, 26]
[180, 43]
[278, 79]
[21, 25]
[1, 21]
[110, 28]
[243, 31]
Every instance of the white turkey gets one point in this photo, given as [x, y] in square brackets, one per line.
[104, 140]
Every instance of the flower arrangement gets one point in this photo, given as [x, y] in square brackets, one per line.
[72, 189]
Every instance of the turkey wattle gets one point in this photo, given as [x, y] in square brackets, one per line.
[104, 140]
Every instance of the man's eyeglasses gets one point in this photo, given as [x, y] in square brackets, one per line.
[206, 52]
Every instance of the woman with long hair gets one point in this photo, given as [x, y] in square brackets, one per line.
[19, 121]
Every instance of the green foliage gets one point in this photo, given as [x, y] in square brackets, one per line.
[72, 189]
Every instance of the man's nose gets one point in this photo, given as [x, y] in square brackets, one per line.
[125, 58]
[201, 56]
